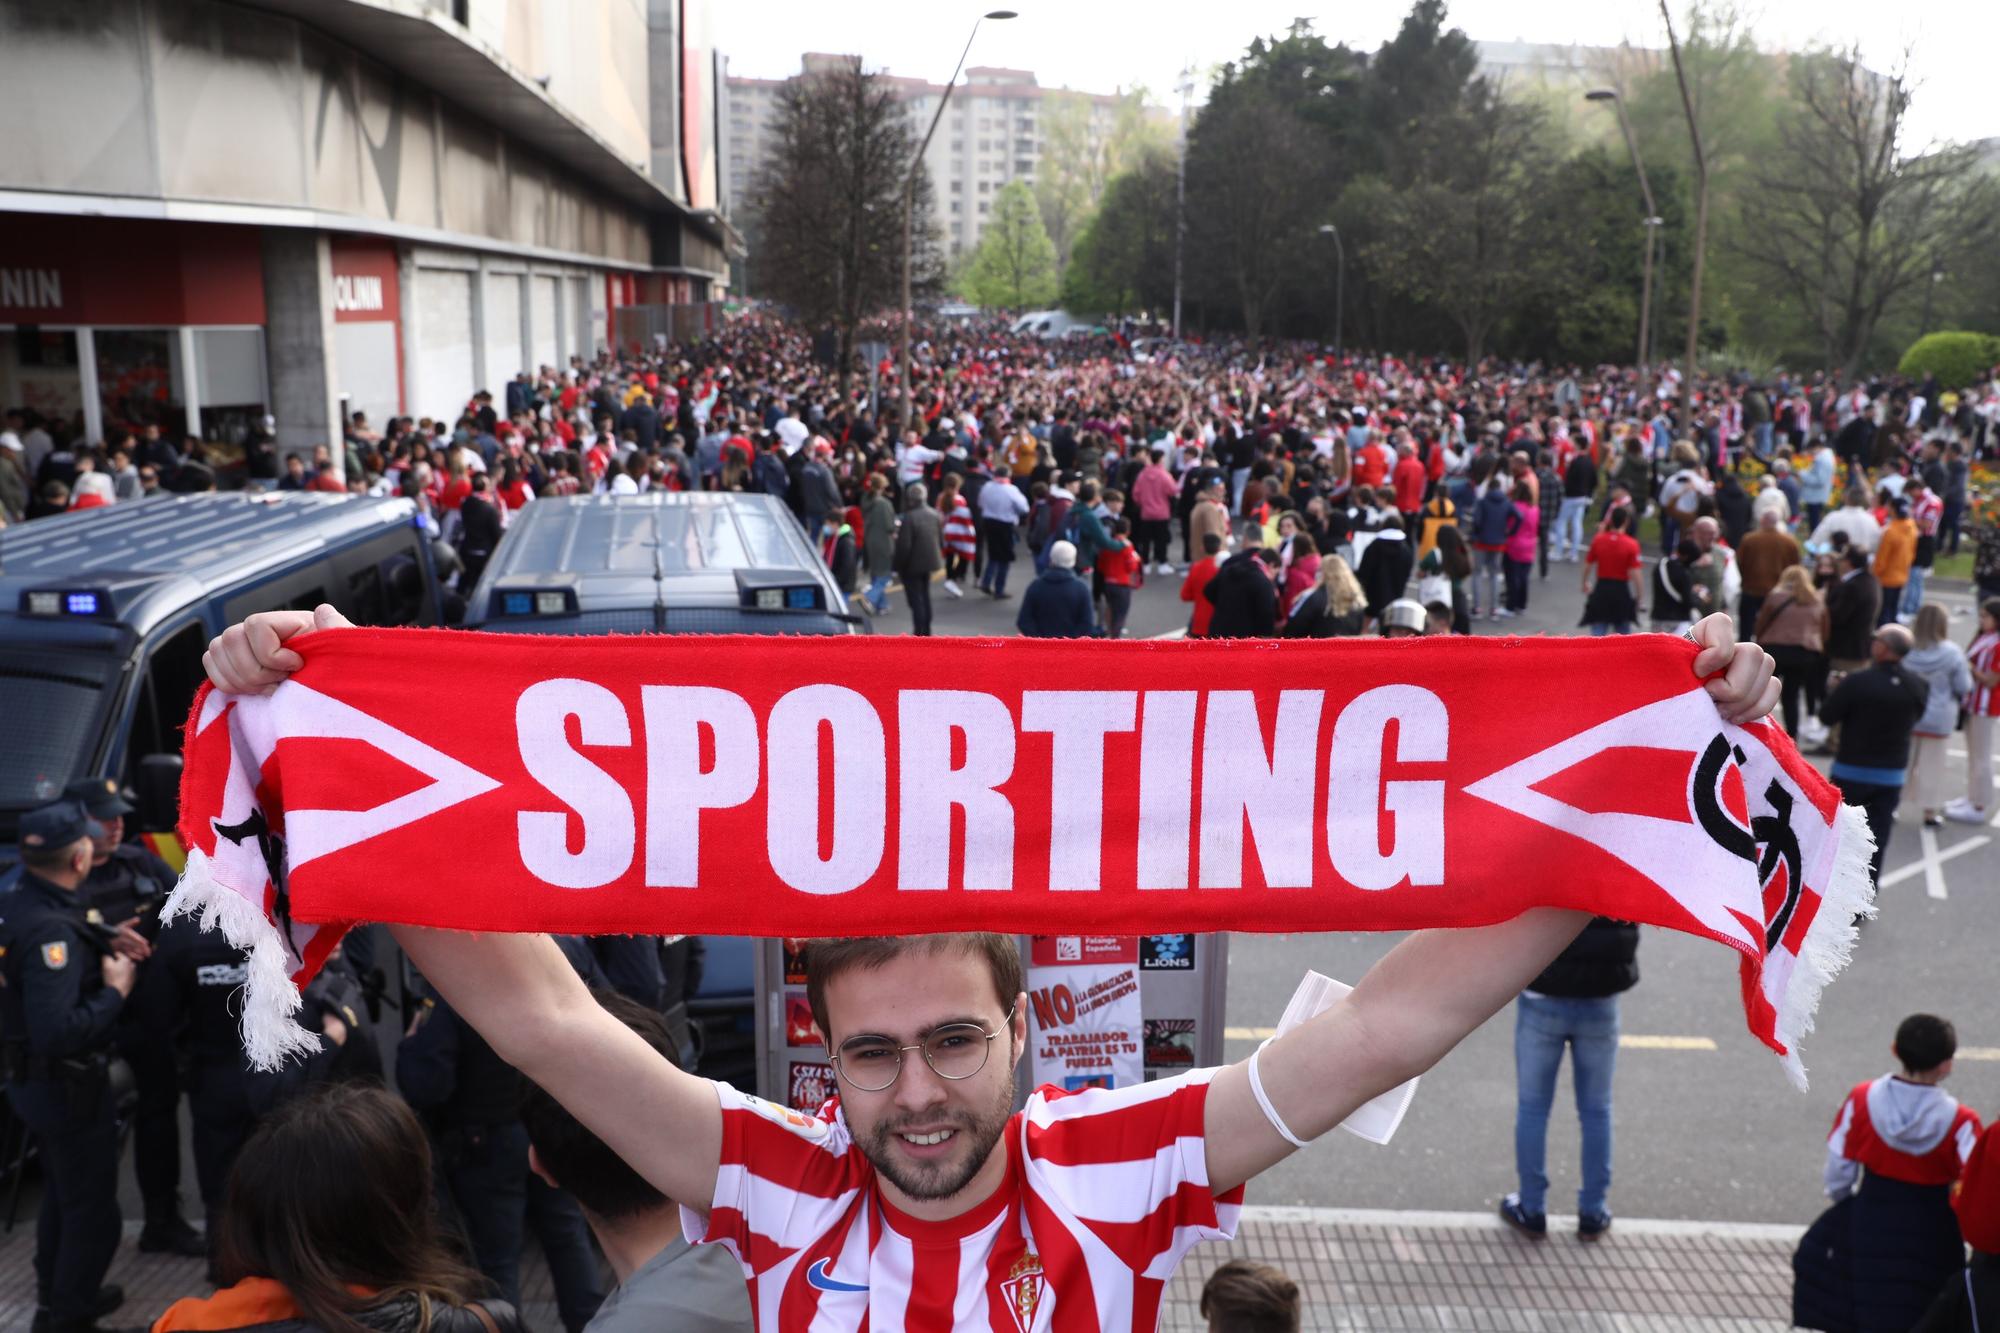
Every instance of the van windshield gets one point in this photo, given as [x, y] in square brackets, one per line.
[55, 705]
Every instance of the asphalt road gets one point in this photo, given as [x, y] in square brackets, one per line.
[1707, 1125]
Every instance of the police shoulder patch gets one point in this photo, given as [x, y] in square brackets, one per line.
[55, 955]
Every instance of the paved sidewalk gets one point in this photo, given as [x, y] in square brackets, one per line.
[1359, 1271]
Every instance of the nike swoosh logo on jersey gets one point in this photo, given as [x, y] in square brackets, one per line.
[816, 1276]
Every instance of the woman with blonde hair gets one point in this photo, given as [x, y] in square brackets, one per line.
[1333, 607]
[1940, 664]
[1792, 626]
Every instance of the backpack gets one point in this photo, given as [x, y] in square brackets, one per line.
[1040, 523]
[1072, 529]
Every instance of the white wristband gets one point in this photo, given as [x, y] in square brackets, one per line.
[1264, 1101]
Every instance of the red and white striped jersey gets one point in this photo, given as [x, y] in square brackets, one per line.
[1106, 1191]
[1984, 655]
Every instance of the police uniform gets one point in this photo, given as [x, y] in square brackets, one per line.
[56, 1017]
[132, 885]
[471, 1100]
[192, 991]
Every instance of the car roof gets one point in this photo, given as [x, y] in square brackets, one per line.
[163, 553]
[605, 547]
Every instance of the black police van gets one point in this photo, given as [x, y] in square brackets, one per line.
[670, 562]
[105, 613]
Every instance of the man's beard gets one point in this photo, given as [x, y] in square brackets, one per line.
[980, 1133]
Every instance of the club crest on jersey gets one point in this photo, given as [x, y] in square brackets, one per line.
[55, 955]
[1023, 1289]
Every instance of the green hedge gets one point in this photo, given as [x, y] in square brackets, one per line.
[1957, 359]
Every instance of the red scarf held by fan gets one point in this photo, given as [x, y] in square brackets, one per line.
[811, 786]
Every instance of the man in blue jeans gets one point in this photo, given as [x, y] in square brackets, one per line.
[1573, 1003]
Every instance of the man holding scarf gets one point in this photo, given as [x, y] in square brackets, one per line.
[917, 1200]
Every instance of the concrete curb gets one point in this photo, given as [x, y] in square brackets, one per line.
[1449, 1221]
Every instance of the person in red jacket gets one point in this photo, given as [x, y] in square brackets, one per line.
[1970, 1298]
[1197, 578]
[1877, 1257]
[1409, 479]
[1371, 462]
[1122, 571]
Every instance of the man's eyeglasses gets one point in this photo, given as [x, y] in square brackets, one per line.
[955, 1051]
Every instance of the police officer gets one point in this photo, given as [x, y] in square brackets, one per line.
[128, 886]
[192, 987]
[64, 990]
[472, 1101]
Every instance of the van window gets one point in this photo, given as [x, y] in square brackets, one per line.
[300, 591]
[382, 583]
[173, 673]
[54, 700]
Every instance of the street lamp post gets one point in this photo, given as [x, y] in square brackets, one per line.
[1339, 285]
[1652, 223]
[1930, 291]
[1700, 227]
[910, 203]
[1180, 195]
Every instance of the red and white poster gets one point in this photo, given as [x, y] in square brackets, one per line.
[1084, 1025]
[812, 1083]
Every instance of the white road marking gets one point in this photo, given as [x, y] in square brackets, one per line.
[1933, 868]
[1916, 868]
[1988, 1053]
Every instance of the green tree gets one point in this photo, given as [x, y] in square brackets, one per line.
[1014, 265]
[1474, 236]
[1083, 150]
[1847, 220]
[1123, 260]
[828, 204]
[1264, 159]
[1590, 313]
[1417, 82]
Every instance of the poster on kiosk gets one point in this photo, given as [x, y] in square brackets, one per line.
[1084, 1021]
[1102, 1011]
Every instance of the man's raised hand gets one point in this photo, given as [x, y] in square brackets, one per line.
[1738, 676]
[252, 658]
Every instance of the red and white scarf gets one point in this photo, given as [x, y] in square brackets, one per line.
[811, 786]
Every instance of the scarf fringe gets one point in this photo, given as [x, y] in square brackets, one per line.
[1848, 899]
[272, 1033]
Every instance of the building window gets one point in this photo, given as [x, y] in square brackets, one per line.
[983, 207]
[957, 206]
[984, 186]
[958, 187]
[1023, 167]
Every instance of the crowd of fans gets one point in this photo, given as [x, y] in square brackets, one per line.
[1336, 479]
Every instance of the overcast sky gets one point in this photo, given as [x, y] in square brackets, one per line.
[1100, 45]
